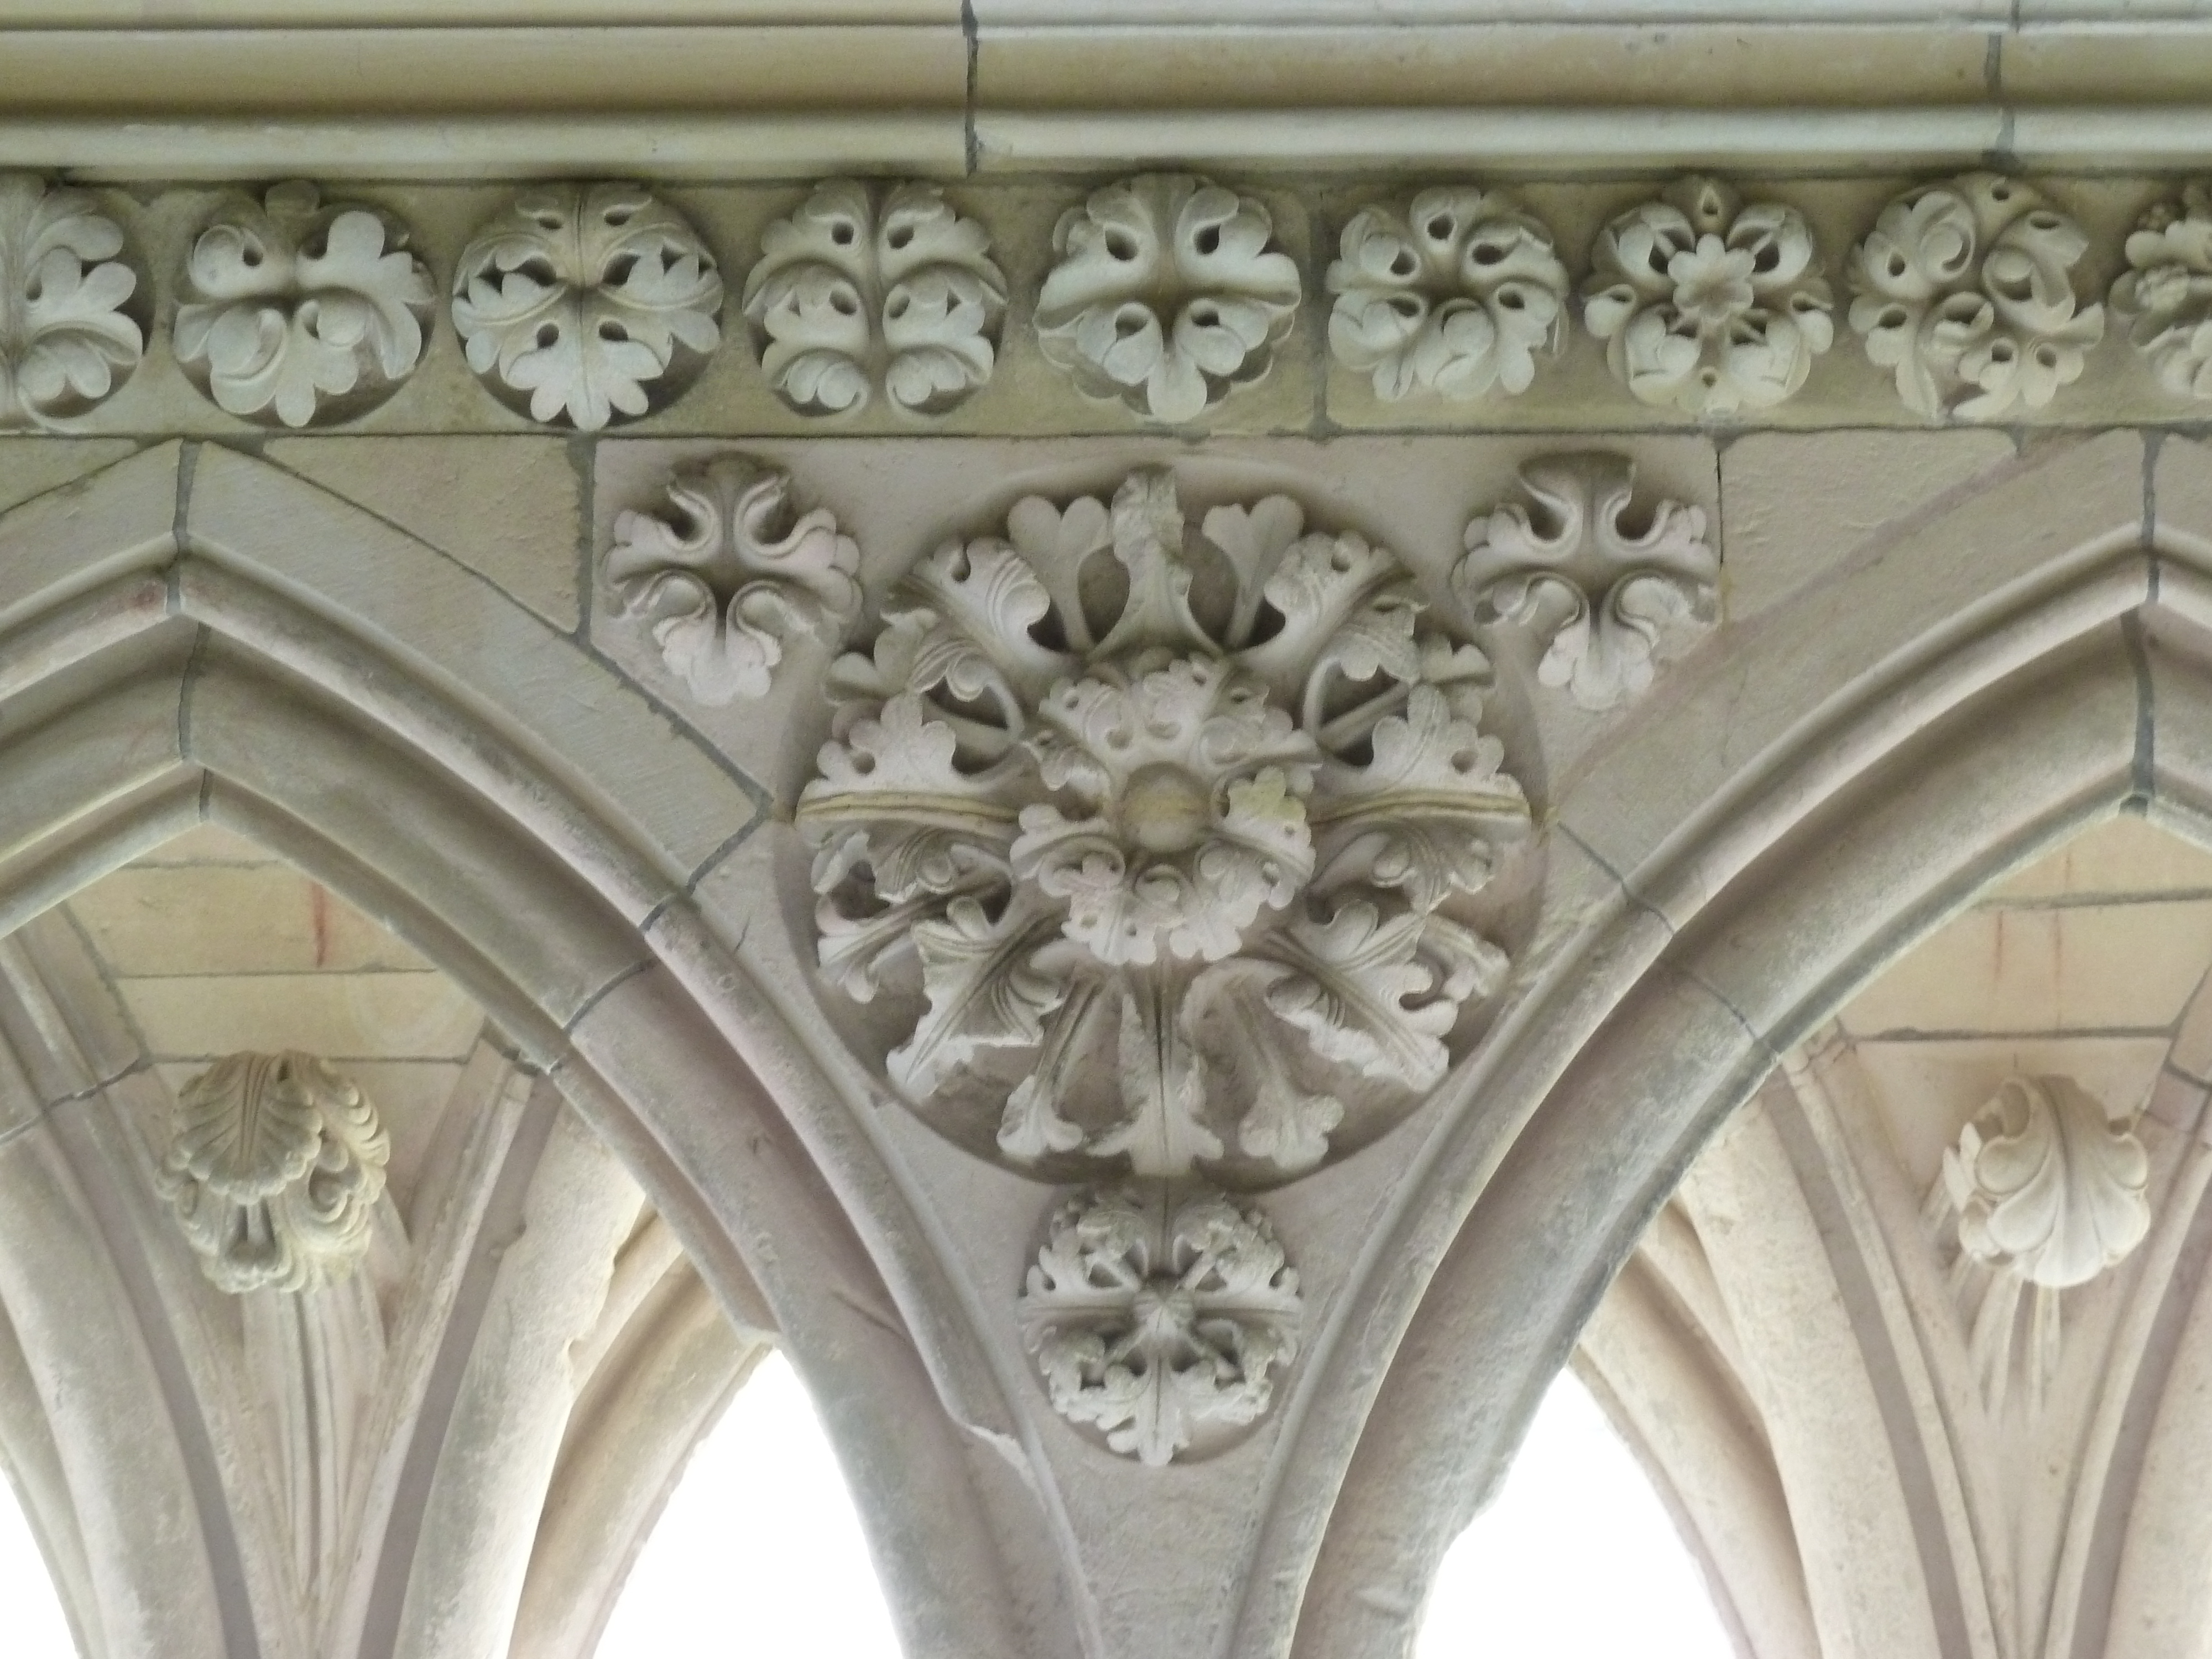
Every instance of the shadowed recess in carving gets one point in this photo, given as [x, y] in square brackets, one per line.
[760, 1545]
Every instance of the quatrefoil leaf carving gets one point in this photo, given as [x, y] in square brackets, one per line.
[1168, 293]
[2165, 293]
[301, 312]
[1456, 295]
[1159, 1316]
[1600, 596]
[1967, 290]
[274, 1171]
[1707, 303]
[1167, 829]
[66, 343]
[864, 289]
[726, 582]
[588, 301]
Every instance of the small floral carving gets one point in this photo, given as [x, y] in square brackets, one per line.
[734, 575]
[65, 343]
[275, 1171]
[586, 299]
[1169, 293]
[2048, 1192]
[1456, 295]
[1965, 289]
[1137, 834]
[1160, 1318]
[1601, 596]
[1706, 303]
[858, 290]
[300, 310]
[2166, 291]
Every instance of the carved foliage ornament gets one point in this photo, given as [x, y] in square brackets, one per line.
[299, 311]
[733, 576]
[1454, 296]
[1165, 818]
[1967, 290]
[65, 342]
[862, 289]
[1600, 596]
[587, 300]
[1160, 1318]
[1706, 303]
[2167, 292]
[1168, 293]
[275, 1171]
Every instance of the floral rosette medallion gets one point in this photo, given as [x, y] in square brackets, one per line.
[1166, 832]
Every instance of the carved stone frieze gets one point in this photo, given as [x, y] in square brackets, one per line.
[2046, 1192]
[1159, 829]
[1168, 293]
[2166, 293]
[1454, 294]
[65, 340]
[583, 303]
[866, 288]
[299, 311]
[1968, 289]
[274, 1171]
[726, 582]
[1159, 1316]
[1600, 596]
[1706, 303]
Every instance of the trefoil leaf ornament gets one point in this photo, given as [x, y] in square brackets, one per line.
[1602, 598]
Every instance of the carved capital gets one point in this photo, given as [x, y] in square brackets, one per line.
[274, 1172]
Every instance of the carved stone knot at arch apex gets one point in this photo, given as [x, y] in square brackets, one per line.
[1155, 837]
[274, 1171]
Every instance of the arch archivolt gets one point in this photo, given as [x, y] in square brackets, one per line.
[1888, 716]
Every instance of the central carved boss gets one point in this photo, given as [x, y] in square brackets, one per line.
[1163, 849]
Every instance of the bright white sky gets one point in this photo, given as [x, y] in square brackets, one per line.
[759, 1554]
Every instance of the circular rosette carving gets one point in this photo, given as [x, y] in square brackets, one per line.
[1168, 293]
[299, 312]
[274, 1172]
[586, 302]
[1967, 290]
[66, 341]
[1159, 1317]
[861, 290]
[2047, 1186]
[1454, 296]
[2165, 293]
[726, 583]
[1706, 303]
[1166, 834]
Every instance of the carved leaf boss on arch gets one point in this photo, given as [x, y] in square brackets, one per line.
[1186, 806]
[65, 342]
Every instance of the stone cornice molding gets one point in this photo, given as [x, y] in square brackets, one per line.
[237, 89]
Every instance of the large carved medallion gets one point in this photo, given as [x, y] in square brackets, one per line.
[1163, 832]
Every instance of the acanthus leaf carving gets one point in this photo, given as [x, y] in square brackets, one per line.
[300, 311]
[2166, 291]
[1967, 290]
[1169, 292]
[274, 1172]
[1601, 596]
[861, 290]
[1454, 296]
[1159, 1316]
[726, 584]
[2046, 1192]
[584, 300]
[1706, 303]
[1090, 827]
[66, 341]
